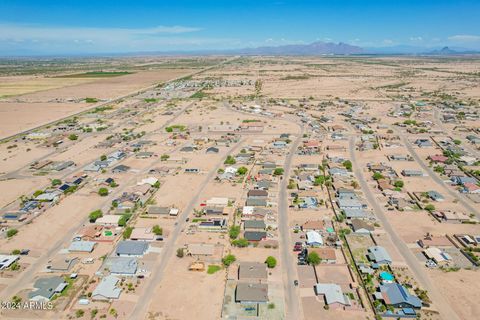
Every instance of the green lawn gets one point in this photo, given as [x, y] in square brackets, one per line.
[213, 268]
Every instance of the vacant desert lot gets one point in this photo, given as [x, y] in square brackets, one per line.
[45, 103]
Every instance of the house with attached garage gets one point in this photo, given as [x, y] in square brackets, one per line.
[82, 246]
[397, 296]
[379, 255]
[128, 248]
[314, 239]
[46, 288]
[107, 289]
[333, 295]
[121, 266]
[255, 236]
[254, 225]
[7, 260]
[435, 196]
[251, 293]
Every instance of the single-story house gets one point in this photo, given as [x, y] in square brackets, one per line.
[123, 266]
[257, 194]
[158, 210]
[252, 271]
[82, 246]
[314, 239]
[251, 293]
[128, 248]
[256, 202]
[360, 226]
[108, 220]
[254, 235]
[212, 150]
[333, 294]
[396, 295]
[254, 224]
[107, 289]
[313, 225]
[327, 255]
[120, 169]
[61, 264]
[379, 255]
[435, 196]
[412, 173]
[46, 288]
[7, 260]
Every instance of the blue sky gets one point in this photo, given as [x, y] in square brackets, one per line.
[104, 26]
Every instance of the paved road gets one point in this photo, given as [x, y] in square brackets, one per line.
[455, 194]
[465, 144]
[418, 270]
[293, 309]
[292, 303]
[158, 268]
[31, 272]
[129, 95]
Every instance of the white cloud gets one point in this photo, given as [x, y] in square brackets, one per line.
[46, 33]
[45, 39]
[387, 41]
[416, 39]
[464, 38]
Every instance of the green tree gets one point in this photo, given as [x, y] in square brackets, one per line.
[73, 137]
[37, 193]
[398, 184]
[230, 160]
[278, 171]
[228, 260]
[348, 165]
[103, 157]
[94, 215]
[127, 232]
[103, 192]
[242, 170]
[157, 230]
[313, 258]
[122, 222]
[56, 182]
[377, 176]
[430, 207]
[234, 232]
[11, 232]
[241, 243]
[180, 253]
[271, 262]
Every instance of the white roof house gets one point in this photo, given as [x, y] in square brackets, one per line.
[150, 180]
[220, 202]
[333, 293]
[82, 246]
[437, 255]
[108, 220]
[231, 170]
[314, 238]
[247, 210]
[107, 289]
[7, 260]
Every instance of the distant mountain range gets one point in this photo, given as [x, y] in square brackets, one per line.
[315, 48]
[312, 49]
[330, 48]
